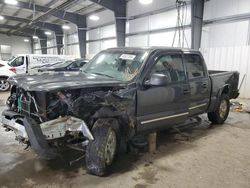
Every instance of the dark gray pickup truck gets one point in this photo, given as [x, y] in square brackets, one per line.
[121, 93]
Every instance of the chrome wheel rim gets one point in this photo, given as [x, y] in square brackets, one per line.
[223, 109]
[110, 147]
[4, 85]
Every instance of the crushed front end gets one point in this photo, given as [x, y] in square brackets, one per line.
[51, 120]
[44, 121]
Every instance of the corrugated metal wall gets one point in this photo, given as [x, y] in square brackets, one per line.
[230, 59]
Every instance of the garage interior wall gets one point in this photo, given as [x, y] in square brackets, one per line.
[153, 25]
[225, 45]
[12, 45]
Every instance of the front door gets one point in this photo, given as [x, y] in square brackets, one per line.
[164, 106]
[20, 65]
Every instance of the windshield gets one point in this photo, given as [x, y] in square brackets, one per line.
[120, 65]
[11, 59]
[64, 64]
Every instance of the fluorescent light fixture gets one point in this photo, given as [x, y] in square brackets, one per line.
[145, 2]
[94, 17]
[35, 37]
[26, 40]
[47, 33]
[11, 2]
[66, 27]
[1, 17]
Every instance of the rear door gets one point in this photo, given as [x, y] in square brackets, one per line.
[199, 83]
[164, 106]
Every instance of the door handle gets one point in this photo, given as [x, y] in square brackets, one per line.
[186, 91]
[204, 85]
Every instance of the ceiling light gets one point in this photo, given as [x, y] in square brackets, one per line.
[94, 17]
[26, 40]
[47, 33]
[66, 27]
[35, 37]
[1, 17]
[145, 2]
[11, 2]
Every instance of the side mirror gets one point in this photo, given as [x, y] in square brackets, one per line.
[157, 80]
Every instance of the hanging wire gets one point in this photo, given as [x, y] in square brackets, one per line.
[181, 7]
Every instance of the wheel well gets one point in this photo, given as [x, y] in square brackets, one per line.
[225, 90]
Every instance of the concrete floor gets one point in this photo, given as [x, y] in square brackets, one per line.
[212, 157]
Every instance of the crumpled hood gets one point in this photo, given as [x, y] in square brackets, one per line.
[61, 80]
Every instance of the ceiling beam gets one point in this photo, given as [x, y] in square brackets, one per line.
[64, 15]
[119, 7]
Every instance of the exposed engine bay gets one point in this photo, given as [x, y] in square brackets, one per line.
[65, 117]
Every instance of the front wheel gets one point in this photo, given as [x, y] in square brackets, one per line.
[4, 84]
[220, 114]
[101, 151]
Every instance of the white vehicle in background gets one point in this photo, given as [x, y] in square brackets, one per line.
[5, 73]
[25, 63]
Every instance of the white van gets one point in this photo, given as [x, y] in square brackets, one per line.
[25, 63]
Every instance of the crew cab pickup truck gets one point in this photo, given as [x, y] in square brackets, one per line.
[120, 93]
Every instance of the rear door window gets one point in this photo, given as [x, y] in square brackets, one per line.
[194, 66]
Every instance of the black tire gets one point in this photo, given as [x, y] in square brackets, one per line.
[4, 85]
[219, 116]
[97, 161]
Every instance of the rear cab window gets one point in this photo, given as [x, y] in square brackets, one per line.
[194, 66]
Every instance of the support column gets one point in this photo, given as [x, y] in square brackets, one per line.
[82, 27]
[120, 22]
[59, 42]
[44, 46]
[32, 45]
[197, 9]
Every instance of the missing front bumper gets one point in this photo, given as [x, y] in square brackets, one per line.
[39, 135]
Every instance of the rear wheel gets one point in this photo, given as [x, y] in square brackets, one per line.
[101, 151]
[4, 84]
[220, 114]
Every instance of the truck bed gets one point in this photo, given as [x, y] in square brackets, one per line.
[220, 79]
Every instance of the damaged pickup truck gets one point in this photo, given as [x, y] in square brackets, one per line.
[121, 93]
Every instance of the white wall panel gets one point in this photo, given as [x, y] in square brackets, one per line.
[222, 35]
[137, 41]
[140, 24]
[166, 39]
[168, 19]
[107, 31]
[18, 46]
[136, 8]
[73, 38]
[94, 48]
[108, 44]
[231, 59]
[221, 8]
[93, 34]
[51, 43]
[73, 50]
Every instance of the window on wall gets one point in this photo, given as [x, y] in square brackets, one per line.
[5, 52]
[194, 65]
